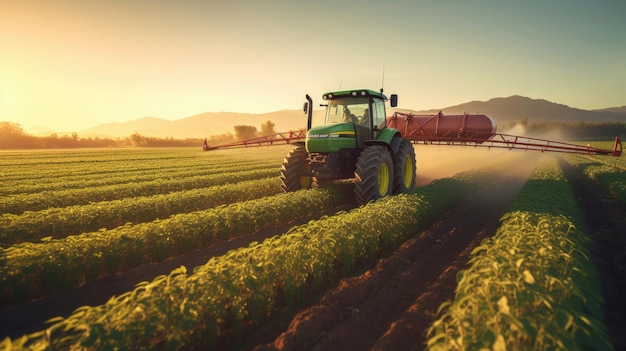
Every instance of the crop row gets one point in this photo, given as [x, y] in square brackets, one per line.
[37, 172]
[59, 222]
[619, 162]
[609, 175]
[29, 270]
[72, 157]
[34, 202]
[532, 286]
[113, 177]
[58, 165]
[238, 290]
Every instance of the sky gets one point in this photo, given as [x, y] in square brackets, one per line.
[75, 64]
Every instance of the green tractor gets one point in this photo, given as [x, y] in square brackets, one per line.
[352, 141]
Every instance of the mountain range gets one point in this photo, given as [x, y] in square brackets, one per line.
[515, 108]
[503, 110]
[198, 126]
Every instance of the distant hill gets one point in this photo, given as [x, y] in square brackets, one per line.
[502, 110]
[515, 108]
[613, 110]
[199, 126]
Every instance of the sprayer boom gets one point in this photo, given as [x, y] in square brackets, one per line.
[507, 141]
[274, 139]
[466, 129]
[480, 130]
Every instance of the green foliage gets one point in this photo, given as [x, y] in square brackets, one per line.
[610, 172]
[76, 196]
[236, 291]
[532, 286]
[61, 222]
[35, 268]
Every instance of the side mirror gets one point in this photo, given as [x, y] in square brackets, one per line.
[308, 109]
[393, 100]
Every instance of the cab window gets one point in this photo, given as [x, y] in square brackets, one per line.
[347, 110]
[380, 120]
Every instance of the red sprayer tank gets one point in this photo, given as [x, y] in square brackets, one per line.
[475, 128]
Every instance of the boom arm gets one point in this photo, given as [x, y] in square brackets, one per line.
[507, 141]
[274, 139]
[480, 130]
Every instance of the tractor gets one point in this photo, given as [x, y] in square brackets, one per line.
[352, 141]
[356, 140]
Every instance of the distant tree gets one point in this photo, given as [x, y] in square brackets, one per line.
[245, 132]
[11, 128]
[12, 136]
[138, 140]
[267, 128]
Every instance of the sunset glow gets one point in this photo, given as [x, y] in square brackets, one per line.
[71, 65]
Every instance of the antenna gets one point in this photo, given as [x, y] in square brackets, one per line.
[382, 84]
[340, 83]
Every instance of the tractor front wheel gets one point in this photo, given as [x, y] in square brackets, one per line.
[295, 174]
[373, 174]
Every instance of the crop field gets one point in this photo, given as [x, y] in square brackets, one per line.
[179, 249]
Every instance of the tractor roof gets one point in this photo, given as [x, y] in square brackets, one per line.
[354, 92]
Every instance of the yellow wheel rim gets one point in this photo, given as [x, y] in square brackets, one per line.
[383, 179]
[408, 171]
[306, 181]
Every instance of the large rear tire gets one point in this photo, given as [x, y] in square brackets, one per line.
[404, 172]
[295, 173]
[373, 174]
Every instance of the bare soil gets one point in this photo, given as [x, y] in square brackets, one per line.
[606, 221]
[391, 305]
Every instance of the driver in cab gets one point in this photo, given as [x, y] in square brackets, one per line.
[348, 116]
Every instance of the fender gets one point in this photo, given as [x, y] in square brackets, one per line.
[389, 137]
[386, 135]
[395, 142]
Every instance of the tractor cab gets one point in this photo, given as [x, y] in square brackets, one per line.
[352, 118]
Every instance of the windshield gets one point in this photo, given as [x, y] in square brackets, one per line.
[352, 109]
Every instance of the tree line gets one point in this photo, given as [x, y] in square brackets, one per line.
[13, 136]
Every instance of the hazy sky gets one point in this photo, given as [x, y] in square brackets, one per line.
[74, 64]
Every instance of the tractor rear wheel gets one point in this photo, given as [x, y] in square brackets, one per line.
[404, 172]
[295, 173]
[373, 174]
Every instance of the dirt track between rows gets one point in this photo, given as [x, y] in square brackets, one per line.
[391, 305]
